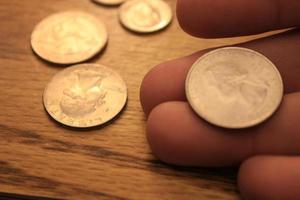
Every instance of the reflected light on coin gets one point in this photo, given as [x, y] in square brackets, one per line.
[145, 15]
[85, 95]
[234, 87]
[69, 37]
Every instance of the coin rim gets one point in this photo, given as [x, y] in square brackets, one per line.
[66, 61]
[103, 2]
[141, 30]
[239, 126]
[78, 66]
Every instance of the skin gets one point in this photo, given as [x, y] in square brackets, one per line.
[268, 154]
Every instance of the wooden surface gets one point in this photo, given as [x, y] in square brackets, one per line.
[39, 157]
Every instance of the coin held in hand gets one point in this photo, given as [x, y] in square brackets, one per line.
[145, 16]
[85, 95]
[234, 87]
[69, 37]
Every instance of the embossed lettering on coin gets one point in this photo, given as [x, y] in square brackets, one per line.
[69, 37]
[234, 87]
[145, 15]
[85, 95]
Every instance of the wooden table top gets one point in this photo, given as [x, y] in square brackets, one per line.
[39, 157]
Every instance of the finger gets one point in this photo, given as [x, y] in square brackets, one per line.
[178, 136]
[166, 81]
[270, 177]
[222, 18]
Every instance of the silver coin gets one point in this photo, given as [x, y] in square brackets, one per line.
[69, 37]
[145, 16]
[234, 87]
[85, 95]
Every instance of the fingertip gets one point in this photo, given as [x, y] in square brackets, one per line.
[190, 22]
[159, 125]
[270, 177]
[152, 92]
[221, 18]
[147, 92]
[164, 82]
[250, 181]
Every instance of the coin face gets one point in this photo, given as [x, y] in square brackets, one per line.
[85, 95]
[234, 87]
[69, 37]
[109, 2]
[145, 15]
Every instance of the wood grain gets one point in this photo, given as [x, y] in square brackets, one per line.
[40, 157]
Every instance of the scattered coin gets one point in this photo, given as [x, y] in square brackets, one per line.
[109, 2]
[85, 95]
[234, 87]
[69, 37]
[145, 16]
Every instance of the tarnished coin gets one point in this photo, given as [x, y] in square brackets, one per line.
[145, 15]
[109, 2]
[234, 87]
[85, 95]
[69, 37]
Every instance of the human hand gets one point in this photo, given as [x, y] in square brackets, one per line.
[268, 153]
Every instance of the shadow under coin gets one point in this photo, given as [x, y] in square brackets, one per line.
[87, 129]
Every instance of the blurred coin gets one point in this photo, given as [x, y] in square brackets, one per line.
[85, 95]
[69, 37]
[234, 87]
[109, 2]
[145, 15]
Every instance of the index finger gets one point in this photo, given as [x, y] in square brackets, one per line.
[226, 18]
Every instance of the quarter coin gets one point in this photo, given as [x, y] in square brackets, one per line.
[69, 37]
[109, 2]
[145, 16]
[234, 87]
[85, 95]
